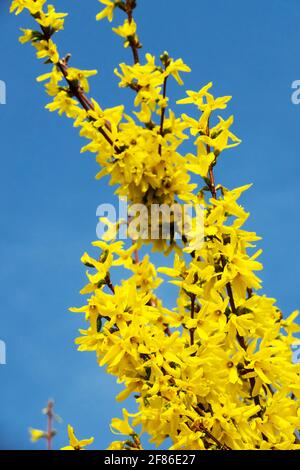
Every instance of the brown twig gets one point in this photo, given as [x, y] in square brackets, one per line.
[200, 427]
[213, 438]
[109, 283]
[133, 41]
[163, 114]
[83, 99]
[211, 168]
[50, 415]
[136, 256]
[167, 330]
[192, 330]
[241, 339]
[76, 90]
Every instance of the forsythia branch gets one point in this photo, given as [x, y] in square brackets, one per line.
[210, 367]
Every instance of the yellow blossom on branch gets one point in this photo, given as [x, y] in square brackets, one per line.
[210, 365]
[76, 444]
[108, 11]
[36, 434]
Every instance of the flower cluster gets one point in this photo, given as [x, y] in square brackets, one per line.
[215, 370]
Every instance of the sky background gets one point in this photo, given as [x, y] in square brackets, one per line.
[48, 194]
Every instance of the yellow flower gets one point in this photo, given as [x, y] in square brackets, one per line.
[201, 164]
[196, 97]
[63, 103]
[75, 444]
[37, 434]
[47, 49]
[122, 426]
[34, 6]
[176, 66]
[28, 34]
[81, 76]
[108, 11]
[51, 19]
[127, 30]
[116, 445]
[203, 99]
[54, 77]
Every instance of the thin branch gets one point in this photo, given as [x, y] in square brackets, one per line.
[77, 91]
[109, 283]
[163, 114]
[83, 99]
[241, 339]
[211, 168]
[192, 330]
[136, 255]
[133, 41]
[213, 438]
[50, 415]
[200, 427]
[167, 330]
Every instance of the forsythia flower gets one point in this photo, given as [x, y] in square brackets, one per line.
[51, 19]
[176, 66]
[81, 76]
[33, 6]
[28, 35]
[64, 104]
[107, 11]
[119, 426]
[127, 31]
[47, 50]
[75, 444]
[36, 434]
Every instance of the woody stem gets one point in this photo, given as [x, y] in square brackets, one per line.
[192, 330]
[79, 94]
[241, 339]
[133, 42]
[49, 424]
[163, 113]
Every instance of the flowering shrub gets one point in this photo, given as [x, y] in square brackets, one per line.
[216, 370]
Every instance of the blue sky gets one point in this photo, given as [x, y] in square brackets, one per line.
[49, 195]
